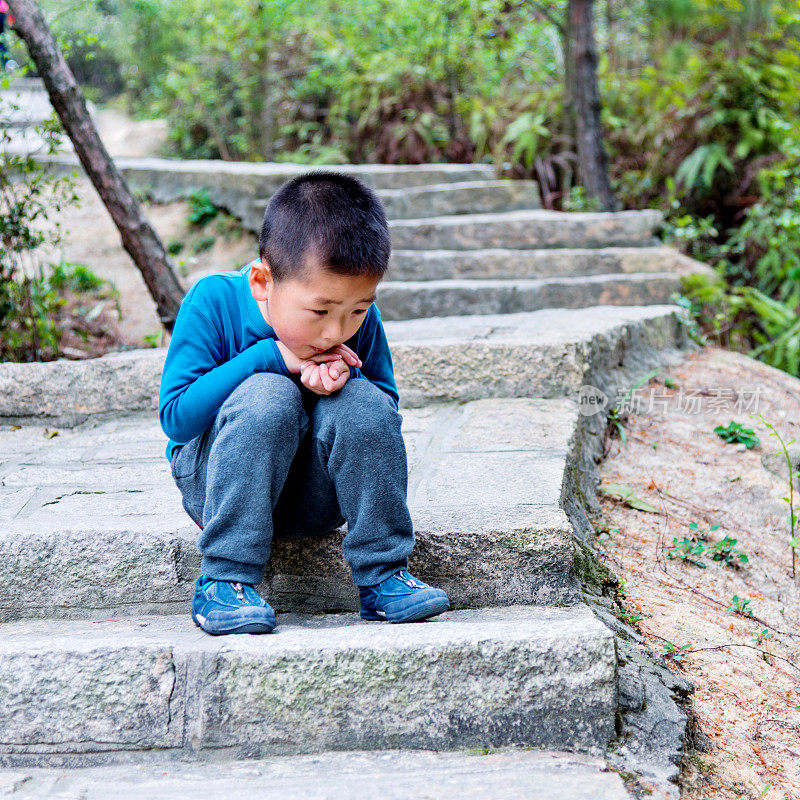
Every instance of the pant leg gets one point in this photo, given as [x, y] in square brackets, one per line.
[353, 463]
[232, 476]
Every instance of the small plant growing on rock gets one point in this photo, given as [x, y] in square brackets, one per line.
[693, 548]
[740, 605]
[726, 551]
[789, 498]
[687, 549]
[735, 433]
[675, 652]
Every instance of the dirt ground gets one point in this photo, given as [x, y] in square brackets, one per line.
[744, 664]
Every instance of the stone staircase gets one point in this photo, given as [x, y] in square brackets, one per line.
[500, 315]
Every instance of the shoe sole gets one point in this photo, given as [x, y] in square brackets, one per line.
[249, 627]
[423, 610]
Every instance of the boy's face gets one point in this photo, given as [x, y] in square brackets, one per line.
[312, 314]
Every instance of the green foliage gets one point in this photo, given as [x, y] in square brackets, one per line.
[202, 210]
[741, 606]
[726, 551]
[793, 474]
[735, 433]
[699, 108]
[29, 294]
[692, 549]
[687, 549]
[203, 243]
[675, 652]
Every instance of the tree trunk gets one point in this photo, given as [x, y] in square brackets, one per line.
[138, 236]
[586, 99]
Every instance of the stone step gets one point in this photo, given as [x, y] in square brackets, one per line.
[86, 693]
[546, 353]
[498, 263]
[462, 197]
[94, 516]
[23, 105]
[525, 230]
[93, 525]
[505, 774]
[234, 185]
[405, 300]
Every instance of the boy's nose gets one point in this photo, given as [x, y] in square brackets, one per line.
[333, 334]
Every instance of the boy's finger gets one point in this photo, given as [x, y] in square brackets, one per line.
[327, 381]
[321, 358]
[349, 355]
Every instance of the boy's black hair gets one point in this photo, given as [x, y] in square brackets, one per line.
[325, 218]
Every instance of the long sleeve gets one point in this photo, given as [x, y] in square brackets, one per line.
[373, 349]
[197, 380]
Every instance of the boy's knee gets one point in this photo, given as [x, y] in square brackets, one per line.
[264, 398]
[363, 408]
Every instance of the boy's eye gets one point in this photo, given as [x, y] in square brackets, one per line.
[321, 312]
[360, 311]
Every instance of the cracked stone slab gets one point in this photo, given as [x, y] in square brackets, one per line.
[81, 691]
[527, 229]
[510, 774]
[547, 353]
[108, 538]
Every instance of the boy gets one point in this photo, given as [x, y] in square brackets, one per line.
[279, 399]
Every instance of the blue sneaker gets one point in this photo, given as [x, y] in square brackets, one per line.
[402, 598]
[230, 607]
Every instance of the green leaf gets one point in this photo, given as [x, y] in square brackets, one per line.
[628, 496]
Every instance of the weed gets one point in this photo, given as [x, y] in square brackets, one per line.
[735, 432]
[604, 533]
[629, 617]
[687, 550]
[614, 418]
[692, 548]
[203, 243]
[740, 605]
[725, 551]
[674, 651]
[792, 518]
[174, 246]
[763, 636]
[203, 209]
[628, 496]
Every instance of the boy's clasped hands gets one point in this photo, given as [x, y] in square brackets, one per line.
[323, 373]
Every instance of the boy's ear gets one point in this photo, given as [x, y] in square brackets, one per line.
[260, 279]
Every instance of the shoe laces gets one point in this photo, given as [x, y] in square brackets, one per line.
[239, 589]
[406, 578]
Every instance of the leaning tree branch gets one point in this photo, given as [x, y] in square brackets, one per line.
[138, 236]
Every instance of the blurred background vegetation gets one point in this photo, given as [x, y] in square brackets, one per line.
[700, 110]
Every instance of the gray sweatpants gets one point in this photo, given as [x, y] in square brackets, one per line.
[279, 460]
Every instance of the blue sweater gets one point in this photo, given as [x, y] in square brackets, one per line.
[220, 337]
